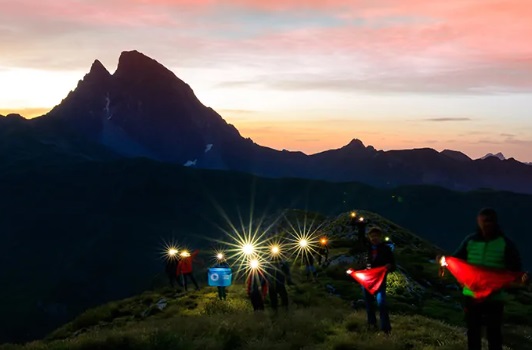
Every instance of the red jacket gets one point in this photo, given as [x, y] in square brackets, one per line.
[185, 265]
[257, 280]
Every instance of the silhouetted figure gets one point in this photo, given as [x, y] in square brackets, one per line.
[171, 270]
[359, 225]
[257, 289]
[278, 273]
[310, 269]
[323, 254]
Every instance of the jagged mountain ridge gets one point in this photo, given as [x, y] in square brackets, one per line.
[145, 110]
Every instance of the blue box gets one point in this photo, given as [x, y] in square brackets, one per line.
[220, 277]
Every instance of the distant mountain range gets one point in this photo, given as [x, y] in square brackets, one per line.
[498, 156]
[144, 110]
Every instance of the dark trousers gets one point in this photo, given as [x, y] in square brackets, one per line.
[222, 294]
[492, 313]
[380, 297]
[186, 276]
[173, 279]
[256, 300]
[275, 291]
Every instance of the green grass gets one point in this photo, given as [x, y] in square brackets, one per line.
[322, 322]
[421, 318]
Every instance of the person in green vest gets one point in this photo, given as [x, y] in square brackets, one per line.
[487, 247]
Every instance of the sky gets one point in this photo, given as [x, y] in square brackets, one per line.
[305, 75]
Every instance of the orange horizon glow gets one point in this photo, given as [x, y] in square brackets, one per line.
[301, 75]
[315, 136]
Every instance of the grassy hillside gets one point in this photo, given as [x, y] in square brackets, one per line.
[322, 315]
[77, 234]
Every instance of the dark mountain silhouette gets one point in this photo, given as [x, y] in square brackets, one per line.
[499, 156]
[145, 110]
[456, 155]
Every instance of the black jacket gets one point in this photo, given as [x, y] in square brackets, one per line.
[308, 259]
[384, 256]
[171, 266]
[278, 273]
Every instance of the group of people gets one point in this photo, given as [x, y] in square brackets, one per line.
[179, 269]
[487, 247]
[270, 282]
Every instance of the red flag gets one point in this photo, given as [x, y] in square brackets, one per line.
[482, 281]
[370, 279]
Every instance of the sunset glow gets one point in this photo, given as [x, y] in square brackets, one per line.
[299, 75]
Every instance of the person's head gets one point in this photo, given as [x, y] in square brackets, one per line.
[375, 235]
[487, 222]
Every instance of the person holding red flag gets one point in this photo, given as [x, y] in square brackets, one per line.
[379, 255]
[487, 248]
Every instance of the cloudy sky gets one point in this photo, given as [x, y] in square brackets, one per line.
[299, 74]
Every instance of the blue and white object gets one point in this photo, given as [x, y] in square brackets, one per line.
[220, 277]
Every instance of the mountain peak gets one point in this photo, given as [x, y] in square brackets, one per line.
[355, 143]
[136, 63]
[97, 74]
[98, 68]
[498, 155]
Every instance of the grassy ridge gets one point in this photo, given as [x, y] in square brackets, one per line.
[425, 311]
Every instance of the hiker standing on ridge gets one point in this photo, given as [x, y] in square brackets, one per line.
[222, 263]
[487, 247]
[310, 269]
[185, 267]
[257, 288]
[278, 273]
[172, 261]
[379, 254]
[323, 251]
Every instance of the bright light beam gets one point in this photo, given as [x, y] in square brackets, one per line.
[248, 249]
[303, 239]
[254, 264]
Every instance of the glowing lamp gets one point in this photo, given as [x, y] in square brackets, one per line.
[387, 239]
[172, 252]
[353, 214]
[219, 256]
[443, 262]
[248, 249]
[275, 249]
[350, 271]
[254, 264]
[361, 219]
[185, 254]
[303, 243]
[323, 241]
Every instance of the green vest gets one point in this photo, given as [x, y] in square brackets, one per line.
[489, 254]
